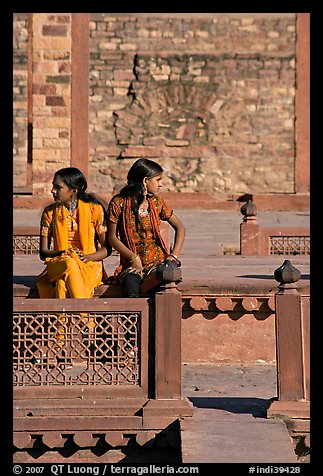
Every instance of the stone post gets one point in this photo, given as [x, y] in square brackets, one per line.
[292, 347]
[168, 401]
[168, 373]
[249, 230]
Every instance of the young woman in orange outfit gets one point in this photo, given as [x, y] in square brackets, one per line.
[76, 223]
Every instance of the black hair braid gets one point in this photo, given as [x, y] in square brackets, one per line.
[87, 197]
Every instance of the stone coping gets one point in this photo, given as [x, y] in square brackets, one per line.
[196, 200]
[25, 287]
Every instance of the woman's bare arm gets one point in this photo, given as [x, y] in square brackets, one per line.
[46, 252]
[44, 248]
[99, 254]
[179, 228]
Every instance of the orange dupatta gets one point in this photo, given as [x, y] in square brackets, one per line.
[60, 232]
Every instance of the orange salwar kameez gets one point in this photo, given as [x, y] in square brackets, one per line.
[66, 275]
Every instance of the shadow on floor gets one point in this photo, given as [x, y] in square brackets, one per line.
[257, 407]
[27, 280]
[268, 276]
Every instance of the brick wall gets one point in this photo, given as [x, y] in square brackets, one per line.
[20, 71]
[51, 96]
[209, 96]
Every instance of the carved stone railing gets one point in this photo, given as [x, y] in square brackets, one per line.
[263, 241]
[97, 368]
[293, 354]
[25, 240]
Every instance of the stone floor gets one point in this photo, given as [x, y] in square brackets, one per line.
[229, 423]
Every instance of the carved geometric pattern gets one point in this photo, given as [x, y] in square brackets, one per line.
[79, 438]
[211, 306]
[76, 348]
[290, 245]
[174, 112]
[25, 244]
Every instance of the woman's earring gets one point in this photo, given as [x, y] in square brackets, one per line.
[144, 188]
[73, 206]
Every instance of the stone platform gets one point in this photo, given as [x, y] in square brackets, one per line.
[229, 397]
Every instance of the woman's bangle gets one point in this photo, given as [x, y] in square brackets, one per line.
[134, 258]
[174, 256]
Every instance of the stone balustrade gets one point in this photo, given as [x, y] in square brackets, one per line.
[89, 369]
[256, 240]
[293, 354]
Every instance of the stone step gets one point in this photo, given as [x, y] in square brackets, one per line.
[218, 436]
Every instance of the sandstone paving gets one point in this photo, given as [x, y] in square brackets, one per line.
[229, 422]
[213, 436]
[206, 232]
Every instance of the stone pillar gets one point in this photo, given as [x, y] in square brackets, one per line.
[168, 401]
[168, 318]
[80, 92]
[249, 230]
[293, 352]
[51, 90]
[60, 95]
[302, 104]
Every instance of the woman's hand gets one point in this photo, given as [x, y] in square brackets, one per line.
[173, 258]
[136, 265]
[85, 258]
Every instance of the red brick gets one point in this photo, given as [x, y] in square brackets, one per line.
[44, 89]
[54, 30]
[55, 101]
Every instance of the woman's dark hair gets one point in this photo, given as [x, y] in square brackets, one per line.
[138, 171]
[135, 188]
[73, 178]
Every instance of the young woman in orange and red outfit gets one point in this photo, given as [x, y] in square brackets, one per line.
[133, 226]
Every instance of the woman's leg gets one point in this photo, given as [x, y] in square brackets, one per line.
[46, 289]
[74, 280]
[68, 277]
[60, 289]
[131, 284]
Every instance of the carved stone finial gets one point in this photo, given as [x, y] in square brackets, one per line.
[249, 210]
[287, 273]
[169, 273]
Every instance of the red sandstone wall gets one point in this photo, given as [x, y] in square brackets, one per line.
[209, 96]
[20, 36]
[224, 340]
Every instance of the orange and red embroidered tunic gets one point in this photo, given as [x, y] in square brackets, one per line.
[140, 234]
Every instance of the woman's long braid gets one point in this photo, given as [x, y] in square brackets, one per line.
[138, 197]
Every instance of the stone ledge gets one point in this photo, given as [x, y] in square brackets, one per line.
[196, 200]
[26, 288]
